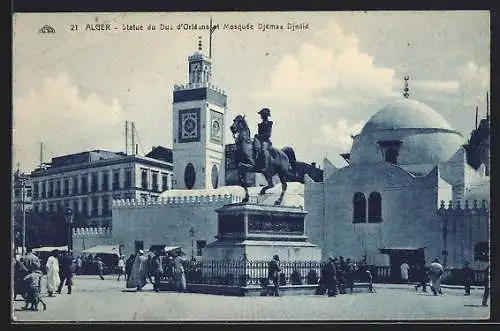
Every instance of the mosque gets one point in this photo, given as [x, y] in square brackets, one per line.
[385, 205]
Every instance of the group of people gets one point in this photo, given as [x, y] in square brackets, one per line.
[339, 273]
[28, 275]
[140, 268]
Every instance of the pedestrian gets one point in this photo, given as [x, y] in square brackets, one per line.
[128, 266]
[66, 272]
[100, 268]
[486, 293]
[179, 274]
[341, 274]
[121, 268]
[422, 276]
[53, 279]
[329, 278]
[436, 270]
[139, 272]
[467, 275]
[404, 272]
[274, 275]
[34, 280]
[157, 271]
[150, 269]
[79, 264]
[31, 261]
[350, 272]
[20, 272]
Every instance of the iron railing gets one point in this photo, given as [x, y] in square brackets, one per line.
[243, 273]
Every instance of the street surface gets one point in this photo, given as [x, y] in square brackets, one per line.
[108, 300]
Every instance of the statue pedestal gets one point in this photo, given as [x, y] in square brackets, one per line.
[257, 232]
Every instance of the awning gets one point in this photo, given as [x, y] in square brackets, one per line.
[51, 249]
[103, 249]
[387, 250]
[166, 249]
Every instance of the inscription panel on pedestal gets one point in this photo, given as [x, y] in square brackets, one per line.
[275, 224]
[231, 224]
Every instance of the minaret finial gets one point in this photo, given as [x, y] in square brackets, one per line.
[199, 44]
[406, 89]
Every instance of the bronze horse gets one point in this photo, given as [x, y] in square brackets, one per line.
[281, 164]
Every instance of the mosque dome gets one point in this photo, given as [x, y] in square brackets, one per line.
[407, 132]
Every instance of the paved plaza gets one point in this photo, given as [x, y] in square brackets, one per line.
[96, 300]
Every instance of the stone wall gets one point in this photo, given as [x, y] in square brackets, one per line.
[84, 238]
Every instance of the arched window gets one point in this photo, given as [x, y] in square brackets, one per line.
[359, 208]
[189, 176]
[374, 208]
[391, 155]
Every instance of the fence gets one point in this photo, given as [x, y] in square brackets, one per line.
[243, 273]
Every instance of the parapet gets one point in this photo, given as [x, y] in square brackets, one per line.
[178, 201]
[92, 231]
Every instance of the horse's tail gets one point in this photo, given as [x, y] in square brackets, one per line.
[291, 157]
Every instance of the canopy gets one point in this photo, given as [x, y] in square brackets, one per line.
[103, 249]
[50, 249]
[167, 249]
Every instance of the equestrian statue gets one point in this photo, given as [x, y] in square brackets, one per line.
[258, 155]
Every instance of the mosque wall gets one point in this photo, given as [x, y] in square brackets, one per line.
[84, 238]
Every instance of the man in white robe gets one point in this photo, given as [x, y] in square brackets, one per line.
[52, 274]
[139, 273]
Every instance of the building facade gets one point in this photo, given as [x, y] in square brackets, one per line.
[88, 182]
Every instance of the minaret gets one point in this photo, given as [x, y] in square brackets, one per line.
[199, 117]
[406, 89]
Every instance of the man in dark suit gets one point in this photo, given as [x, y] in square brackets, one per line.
[274, 275]
[486, 287]
[467, 275]
[329, 276]
[66, 272]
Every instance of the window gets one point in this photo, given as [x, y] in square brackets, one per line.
[105, 181]
[50, 207]
[144, 179]
[374, 208]
[28, 192]
[93, 182]
[35, 190]
[58, 188]
[17, 192]
[85, 187]
[50, 192]
[94, 207]
[154, 181]
[116, 180]
[75, 206]
[43, 208]
[74, 188]
[36, 208]
[106, 211]
[44, 190]
[164, 182]
[189, 176]
[200, 244]
[128, 178]
[215, 176]
[66, 187]
[85, 209]
[359, 208]
[144, 198]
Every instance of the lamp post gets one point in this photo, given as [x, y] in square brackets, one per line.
[191, 235]
[69, 222]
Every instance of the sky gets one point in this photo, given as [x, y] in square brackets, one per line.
[74, 90]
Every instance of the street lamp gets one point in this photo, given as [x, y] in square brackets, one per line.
[69, 222]
[191, 235]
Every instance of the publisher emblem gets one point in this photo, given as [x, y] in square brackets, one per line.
[47, 29]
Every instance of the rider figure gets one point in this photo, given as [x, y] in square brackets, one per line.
[264, 134]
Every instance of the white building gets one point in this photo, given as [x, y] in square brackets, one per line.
[88, 182]
[384, 204]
